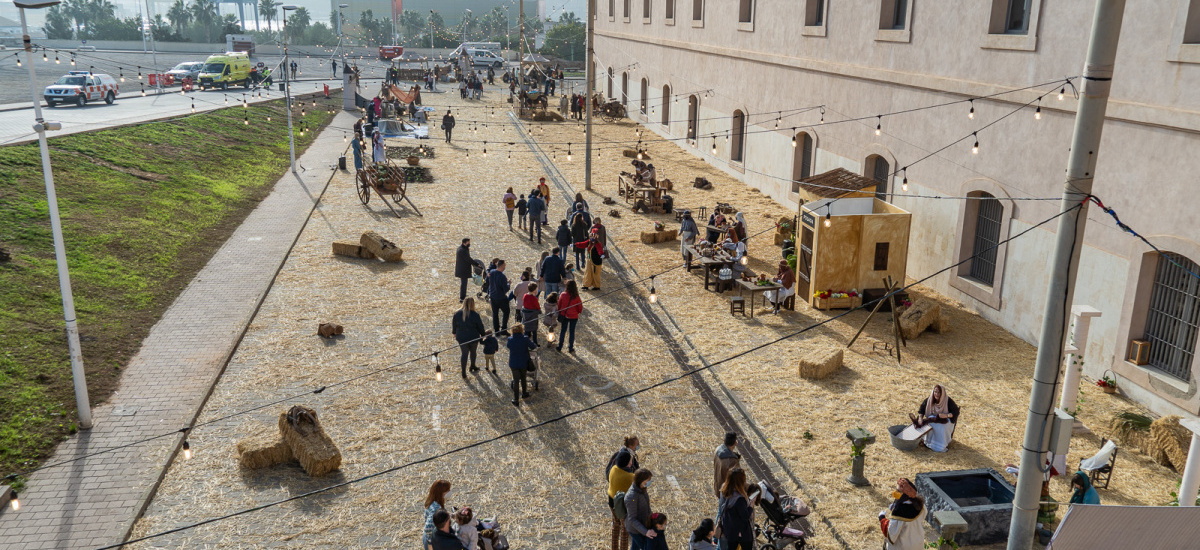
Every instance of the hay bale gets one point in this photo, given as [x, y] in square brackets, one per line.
[779, 238]
[920, 316]
[1171, 441]
[649, 237]
[263, 451]
[667, 235]
[381, 247]
[702, 183]
[820, 360]
[308, 441]
[352, 250]
[666, 184]
[1130, 437]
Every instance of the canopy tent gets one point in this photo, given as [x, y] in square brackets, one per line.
[1093, 527]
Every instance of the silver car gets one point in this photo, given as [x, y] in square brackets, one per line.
[187, 69]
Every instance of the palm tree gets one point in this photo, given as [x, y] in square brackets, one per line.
[179, 16]
[204, 13]
[78, 11]
[299, 21]
[267, 9]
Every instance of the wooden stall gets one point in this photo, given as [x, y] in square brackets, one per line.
[850, 243]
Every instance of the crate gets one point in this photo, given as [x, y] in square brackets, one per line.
[838, 303]
[1139, 352]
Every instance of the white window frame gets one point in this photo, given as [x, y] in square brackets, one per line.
[698, 22]
[1185, 38]
[612, 10]
[747, 26]
[647, 9]
[812, 27]
[996, 36]
[887, 16]
[669, 7]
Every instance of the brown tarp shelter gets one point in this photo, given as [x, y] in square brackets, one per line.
[1094, 527]
[839, 182]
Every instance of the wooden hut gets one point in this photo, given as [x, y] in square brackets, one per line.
[850, 243]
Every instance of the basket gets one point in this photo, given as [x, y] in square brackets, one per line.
[1109, 389]
[414, 160]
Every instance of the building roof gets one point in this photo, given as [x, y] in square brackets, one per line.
[836, 183]
[6, 22]
[1087, 527]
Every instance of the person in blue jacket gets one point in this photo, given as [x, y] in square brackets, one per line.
[498, 291]
[519, 347]
[1083, 493]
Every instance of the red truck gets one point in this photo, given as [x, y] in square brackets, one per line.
[388, 53]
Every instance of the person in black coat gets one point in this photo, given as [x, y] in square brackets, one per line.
[467, 328]
[563, 238]
[580, 233]
[736, 515]
[448, 125]
[443, 537]
[462, 267]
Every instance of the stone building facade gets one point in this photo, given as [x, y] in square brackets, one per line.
[746, 77]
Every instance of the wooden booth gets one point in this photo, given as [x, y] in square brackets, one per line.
[850, 243]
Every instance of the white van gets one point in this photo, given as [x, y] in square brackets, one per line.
[485, 58]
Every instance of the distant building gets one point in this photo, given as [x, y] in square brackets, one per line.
[735, 76]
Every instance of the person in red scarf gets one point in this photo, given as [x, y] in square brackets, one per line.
[595, 257]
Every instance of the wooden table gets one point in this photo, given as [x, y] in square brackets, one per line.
[752, 287]
[715, 264]
[633, 191]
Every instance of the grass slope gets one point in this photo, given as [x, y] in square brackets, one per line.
[143, 207]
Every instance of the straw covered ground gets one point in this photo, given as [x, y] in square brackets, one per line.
[546, 484]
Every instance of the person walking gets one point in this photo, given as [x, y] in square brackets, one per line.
[448, 125]
[467, 328]
[725, 459]
[379, 155]
[569, 308]
[637, 511]
[600, 231]
[510, 204]
[435, 502]
[551, 272]
[580, 226]
[563, 238]
[595, 258]
[531, 311]
[295, 70]
[463, 264]
[687, 233]
[537, 210]
[498, 291]
[333, 65]
[519, 347]
[544, 192]
[737, 516]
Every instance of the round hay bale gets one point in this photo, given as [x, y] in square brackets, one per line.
[1171, 442]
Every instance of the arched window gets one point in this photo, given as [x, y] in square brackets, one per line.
[610, 82]
[802, 160]
[878, 169]
[1173, 316]
[988, 219]
[645, 92]
[737, 147]
[666, 107]
[693, 117]
[625, 89]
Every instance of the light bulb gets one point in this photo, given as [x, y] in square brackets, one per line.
[345, 137]
[971, 114]
[485, 152]
[714, 149]
[745, 260]
[975, 148]
[1061, 93]
[904, 186]
[827, 222]
[1037, 115]
[247, 121]
[268, 118]
[15, 502]
[56, 61]
[640, 155]
[878, 125]
[550, 337]
[187, 450]
[568, 156]
[143, 91]
[793, 140]
[653, 296]
[44, 58]
[72, 61]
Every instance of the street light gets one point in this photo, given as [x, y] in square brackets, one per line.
[60, 254]
[464, 23]
[431, 29]
[342, 47]
[287, 89]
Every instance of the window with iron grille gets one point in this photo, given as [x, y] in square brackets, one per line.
[987, 236]
[1173, 316]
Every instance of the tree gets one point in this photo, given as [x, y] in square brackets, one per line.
[204, 13]
[267, 10]
[58, 24]
[568, 17]
[230, 25]
[163, 31]
[566, 41]
[318, 34]
[298, 22]
[179, 16]
[413, 24]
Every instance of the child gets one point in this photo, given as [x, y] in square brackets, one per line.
[550, 315]
[568, 275]
[522, 210]
[658, 522]
[490, 346]
[519, 290]
[468, 527]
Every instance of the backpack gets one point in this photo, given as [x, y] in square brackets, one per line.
[619, 506]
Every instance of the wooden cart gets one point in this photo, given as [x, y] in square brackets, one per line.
[387, 181]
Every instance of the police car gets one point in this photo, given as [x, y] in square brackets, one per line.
[80, 87]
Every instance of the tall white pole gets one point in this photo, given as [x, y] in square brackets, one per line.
[1081, 171]
[287, 94]
[590, 72]
[60, 253]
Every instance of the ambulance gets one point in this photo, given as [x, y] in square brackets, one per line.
[80, 87]
[225, 70]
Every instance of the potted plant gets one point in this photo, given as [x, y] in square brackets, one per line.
[1107, 383]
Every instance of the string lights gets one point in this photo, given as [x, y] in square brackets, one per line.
[1037, 114]
[975, 148]
[187, 450]
[437, 367]
[653, 295]
[904, 184]
[14, 502]
[1062, 92]
[971, 114]
[879, 125]
[827, 221]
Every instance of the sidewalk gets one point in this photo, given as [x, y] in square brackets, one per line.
[94, 501]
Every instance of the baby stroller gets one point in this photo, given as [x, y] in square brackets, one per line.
[477, 275]
[780, 510]
[490, 535]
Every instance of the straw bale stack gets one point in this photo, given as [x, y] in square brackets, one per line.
[263, 451]
[381, 247]
[312, 446]
[1171, 442]
[651, 237]
[352, 250]
[923, 314]
[818, 361]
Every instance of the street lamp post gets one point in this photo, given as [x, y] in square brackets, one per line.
[287, 89]
[341, 20]
[431, 31]
[464, 23]
[60, 254]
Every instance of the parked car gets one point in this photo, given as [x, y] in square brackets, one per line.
[483, 58]
[187, 69]
[80, 87]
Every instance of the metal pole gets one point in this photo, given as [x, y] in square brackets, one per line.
[153, 47]
[82, 405]
[1081, 166]
[431, 31]
[287, 94]
[521, 46]
[590, 72]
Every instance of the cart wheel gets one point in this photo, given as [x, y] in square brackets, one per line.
[799, 545]
[364, 191]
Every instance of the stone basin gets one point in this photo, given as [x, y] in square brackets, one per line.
[981, 496]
